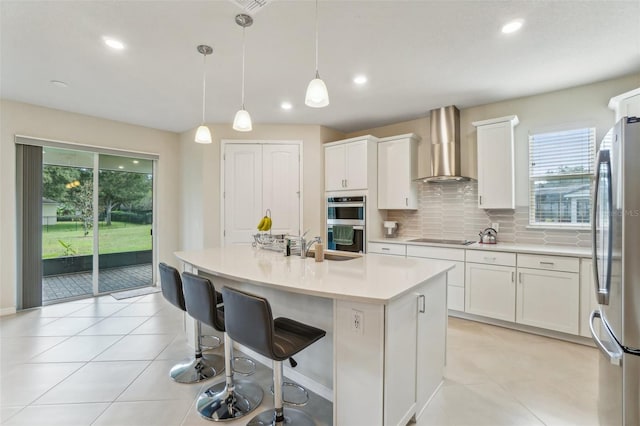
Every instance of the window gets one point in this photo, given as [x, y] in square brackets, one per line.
[560, 169]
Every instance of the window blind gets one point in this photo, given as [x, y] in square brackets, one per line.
[560, 169]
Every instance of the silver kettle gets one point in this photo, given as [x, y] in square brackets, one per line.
[489, 236]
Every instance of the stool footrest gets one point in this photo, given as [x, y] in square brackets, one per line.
[289, 401]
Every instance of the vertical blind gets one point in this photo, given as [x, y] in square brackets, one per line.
[560, 169]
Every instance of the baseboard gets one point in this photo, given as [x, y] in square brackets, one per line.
[299, 378]
[422, 409]
[7, 311]
[525, 328]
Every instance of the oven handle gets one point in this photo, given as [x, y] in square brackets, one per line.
[345, 205]
[356, 227]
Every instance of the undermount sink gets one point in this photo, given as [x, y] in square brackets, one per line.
[336, 255]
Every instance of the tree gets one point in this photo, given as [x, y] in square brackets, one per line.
[120, 188]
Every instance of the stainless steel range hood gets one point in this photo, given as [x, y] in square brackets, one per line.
[445, 146]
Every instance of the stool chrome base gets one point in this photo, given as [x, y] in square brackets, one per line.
[292, 416]
[193, 370]
[219, 403]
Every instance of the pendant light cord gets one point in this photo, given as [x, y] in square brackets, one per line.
[243, 28]
[317, 74]
[204, 84]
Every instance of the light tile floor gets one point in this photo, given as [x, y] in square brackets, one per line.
[104, 361]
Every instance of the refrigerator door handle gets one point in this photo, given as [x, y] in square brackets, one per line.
[615, 357]
[602, 293]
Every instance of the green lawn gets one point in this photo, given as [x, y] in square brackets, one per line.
[119, 237]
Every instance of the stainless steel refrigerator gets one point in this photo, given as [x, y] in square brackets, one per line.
[615, 325]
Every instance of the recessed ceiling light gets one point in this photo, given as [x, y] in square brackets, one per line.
[113, 43]
[121, 167]
[135, 161]
[286, 105]
[512, 26]
[59, 83]
[360, 79]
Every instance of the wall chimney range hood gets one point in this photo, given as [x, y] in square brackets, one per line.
[445, 146]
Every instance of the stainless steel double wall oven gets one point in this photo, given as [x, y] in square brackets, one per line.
[347, 211]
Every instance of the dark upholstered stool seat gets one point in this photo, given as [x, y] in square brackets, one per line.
[250, 322]
[199, 367]
[230, 399]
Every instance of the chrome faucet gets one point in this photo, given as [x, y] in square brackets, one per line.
[305, 246]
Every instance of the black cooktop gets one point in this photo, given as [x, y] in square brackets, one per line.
[439, 241]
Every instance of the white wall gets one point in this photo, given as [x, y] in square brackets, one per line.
[200, 179]
[30, 120]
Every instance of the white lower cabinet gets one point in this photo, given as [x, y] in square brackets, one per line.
[455, 277]
[490, 291]
[417, 320]
[389, 368]
[548, 292]
[548, 299]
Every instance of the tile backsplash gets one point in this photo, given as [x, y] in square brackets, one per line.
[450, 211]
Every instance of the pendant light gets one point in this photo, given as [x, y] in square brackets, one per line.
[242, 120]
[317, 95]
[203, 135]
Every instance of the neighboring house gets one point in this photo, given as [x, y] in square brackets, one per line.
[49, 211]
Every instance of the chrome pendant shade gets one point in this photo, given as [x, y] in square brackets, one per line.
[242, 120]
[317, 94]
[203, 134]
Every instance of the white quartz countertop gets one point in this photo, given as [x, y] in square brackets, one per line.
[551, 250]
[372, 277]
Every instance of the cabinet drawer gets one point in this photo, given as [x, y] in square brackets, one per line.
[436, 253]
[491, 257]
[551, 263]
[394, 249]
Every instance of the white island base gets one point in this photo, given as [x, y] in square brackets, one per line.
[383, 356]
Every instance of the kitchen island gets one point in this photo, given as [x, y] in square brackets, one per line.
[385, 317]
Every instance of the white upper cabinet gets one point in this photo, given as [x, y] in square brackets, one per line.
[496, 174]
[348, 164]
[626, 104]
[397, 169]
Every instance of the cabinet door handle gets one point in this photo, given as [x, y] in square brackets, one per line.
[480, 200]
[422, 304]
[343, 185]
[513, 277]
[406, 202]
[385, 248]
[520, 277]
[489, 259]
[547, 263]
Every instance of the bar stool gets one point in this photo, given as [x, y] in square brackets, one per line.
[230, 399]
[250, 322]
[199, 367]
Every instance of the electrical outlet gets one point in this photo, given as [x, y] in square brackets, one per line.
[496, 226]
[357, 321]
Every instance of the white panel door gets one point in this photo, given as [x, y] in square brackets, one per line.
[356, 169]
[490, 291]
[495, 166]
[281, 187]
[242, 192]
[548, 299]
[334, 166]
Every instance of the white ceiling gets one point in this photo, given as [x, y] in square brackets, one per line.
[418, 55]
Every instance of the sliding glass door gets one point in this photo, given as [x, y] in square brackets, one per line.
[67, 224]
[125, 198]
[94, 203]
